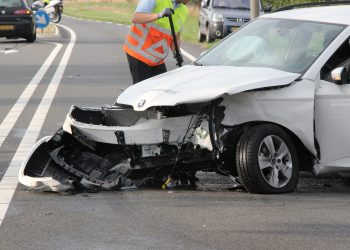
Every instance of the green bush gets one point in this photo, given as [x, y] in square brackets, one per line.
[280, 3]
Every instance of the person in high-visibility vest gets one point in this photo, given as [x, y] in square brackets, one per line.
[149, 39]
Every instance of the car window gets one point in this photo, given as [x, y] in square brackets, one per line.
[229, 4]
[340, 58]
[289, 45]
[10, 3]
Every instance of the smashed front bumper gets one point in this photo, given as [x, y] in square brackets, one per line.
[125, 126]
[111, 148]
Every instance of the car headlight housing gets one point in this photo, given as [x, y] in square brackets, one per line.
[217, 18]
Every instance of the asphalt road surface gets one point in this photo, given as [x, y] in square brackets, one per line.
[84, 65]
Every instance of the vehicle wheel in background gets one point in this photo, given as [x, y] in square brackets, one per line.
[267, 160]
[55, 17]
[201, 37]
[208, 38]
[31, 38]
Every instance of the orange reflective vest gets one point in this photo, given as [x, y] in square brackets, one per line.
[150, 42]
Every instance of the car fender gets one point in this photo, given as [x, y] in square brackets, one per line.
[291, 107]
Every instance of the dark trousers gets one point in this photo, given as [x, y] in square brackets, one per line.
[141, 71]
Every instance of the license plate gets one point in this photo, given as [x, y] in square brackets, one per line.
[233, 29]
[7, 27]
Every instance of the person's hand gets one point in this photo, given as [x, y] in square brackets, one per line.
[165, 13]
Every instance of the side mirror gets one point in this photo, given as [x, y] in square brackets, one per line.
[339, 75]
[204, 3]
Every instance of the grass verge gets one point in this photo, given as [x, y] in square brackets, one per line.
[120, 11]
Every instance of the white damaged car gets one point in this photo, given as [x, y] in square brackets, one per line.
[268, 101]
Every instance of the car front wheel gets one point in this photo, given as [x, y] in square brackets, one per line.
[208, 37]
[267, 160]
[201, 37]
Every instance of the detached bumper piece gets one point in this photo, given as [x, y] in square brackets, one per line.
[40, 173]
[60, 163]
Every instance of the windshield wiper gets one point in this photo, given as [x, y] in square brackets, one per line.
[197, 64]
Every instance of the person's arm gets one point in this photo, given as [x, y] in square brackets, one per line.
[139, 17]
[143, 12]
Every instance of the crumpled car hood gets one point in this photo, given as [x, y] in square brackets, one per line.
[194, 84]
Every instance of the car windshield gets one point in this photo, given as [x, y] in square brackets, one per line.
[232, 4]
[288, 45]
[10, 3]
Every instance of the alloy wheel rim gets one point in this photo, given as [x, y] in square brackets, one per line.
[275, 161]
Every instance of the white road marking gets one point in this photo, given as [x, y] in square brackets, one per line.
[188, 55]
[184, 52]
[12, 117]
[8, 51]
[9, 182]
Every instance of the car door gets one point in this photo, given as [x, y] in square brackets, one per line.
[332, 112]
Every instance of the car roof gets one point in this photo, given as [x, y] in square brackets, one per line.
[339, 14]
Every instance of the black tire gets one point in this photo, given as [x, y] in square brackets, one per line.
[208, 37]
[55, 17]
[257, 180]
[201, 37]
[32, 37]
